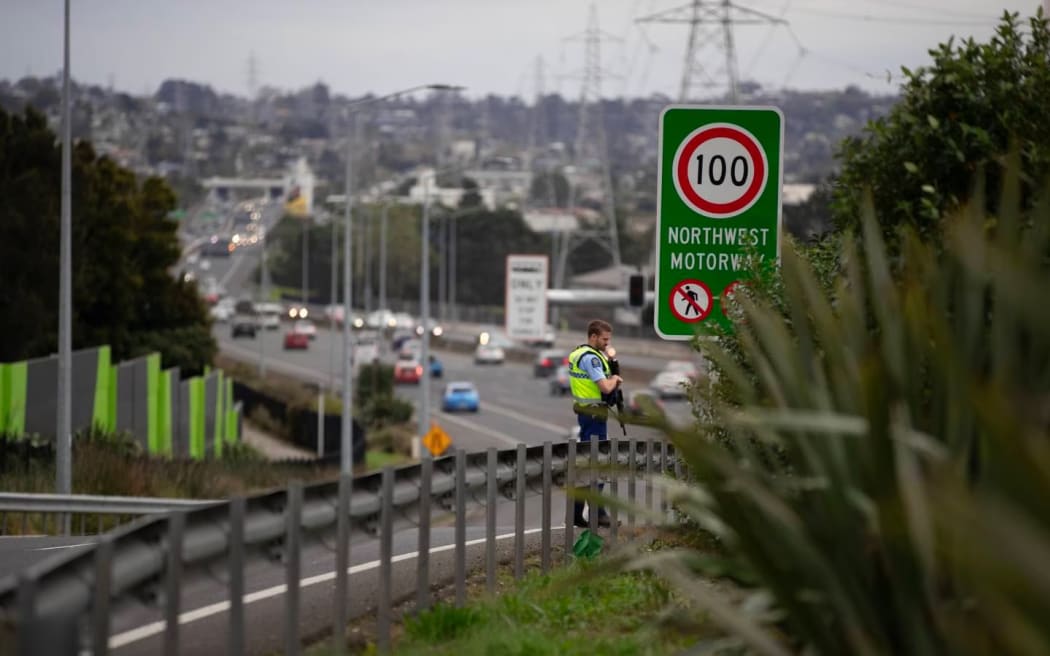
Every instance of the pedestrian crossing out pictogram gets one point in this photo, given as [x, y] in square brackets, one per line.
[690, 301]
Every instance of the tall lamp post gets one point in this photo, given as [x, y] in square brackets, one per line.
[64, 434]
[424, 316]
[346, 444]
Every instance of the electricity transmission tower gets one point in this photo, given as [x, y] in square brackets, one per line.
[710, 41]
[591, 156]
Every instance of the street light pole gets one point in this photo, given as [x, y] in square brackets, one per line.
[382, 258]
[424, 310]
[454, 316]
[346, 444]
[346, 441]
[64, 435]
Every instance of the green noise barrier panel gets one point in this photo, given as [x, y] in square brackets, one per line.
[197, 432]
[13, 398]
[100, 415]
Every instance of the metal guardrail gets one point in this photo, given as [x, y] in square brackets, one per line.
[50, 603]
[75, 514]
[94, 504]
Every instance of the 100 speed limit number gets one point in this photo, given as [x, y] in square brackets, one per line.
[720, 170]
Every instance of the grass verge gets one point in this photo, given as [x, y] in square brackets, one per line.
[582, 609]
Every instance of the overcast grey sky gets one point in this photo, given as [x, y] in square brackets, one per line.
[489, 46]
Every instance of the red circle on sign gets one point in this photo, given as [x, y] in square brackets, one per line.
[679, 292]
[728, 292]
[685, 154]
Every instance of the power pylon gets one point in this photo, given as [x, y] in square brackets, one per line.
[591, 155]
[711, 29]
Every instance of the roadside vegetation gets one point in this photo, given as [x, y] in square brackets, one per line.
[583, 609]
[874, 452]
[125, 247]
[872, 449]
[115, 464]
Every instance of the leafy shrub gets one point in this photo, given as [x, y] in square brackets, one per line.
[386, 410]
[392, 439]
[375, 379]
[907, 515]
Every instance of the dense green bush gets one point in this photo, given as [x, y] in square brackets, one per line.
[906, 511]
[955, 118]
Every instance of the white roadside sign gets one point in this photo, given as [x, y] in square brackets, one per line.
[526, 296]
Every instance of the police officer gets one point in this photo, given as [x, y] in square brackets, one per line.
[590, 379]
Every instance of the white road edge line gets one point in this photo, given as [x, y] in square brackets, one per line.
[155, 628]
[64, 546]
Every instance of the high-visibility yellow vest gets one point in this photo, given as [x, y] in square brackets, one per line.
[584, 390]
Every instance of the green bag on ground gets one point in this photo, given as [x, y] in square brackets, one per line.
[588, 545]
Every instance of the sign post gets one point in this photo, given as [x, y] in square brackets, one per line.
[526, 296]
[718, 210]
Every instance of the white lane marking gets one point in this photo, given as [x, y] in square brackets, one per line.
[503, 437]
[560, 430]
[155, 628]
[64, 546]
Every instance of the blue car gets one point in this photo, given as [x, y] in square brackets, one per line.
[437, 370]
[460, 396]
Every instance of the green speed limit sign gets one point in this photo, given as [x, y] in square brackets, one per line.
[718, 206]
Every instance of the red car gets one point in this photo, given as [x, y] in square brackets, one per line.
[408, 371]
[296, 340]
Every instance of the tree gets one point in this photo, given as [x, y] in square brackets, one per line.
[124, 247]
[955, 118]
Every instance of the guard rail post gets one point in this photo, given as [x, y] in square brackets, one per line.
[490, 520]
[461, 527]
[519, 512]
[342, 564]
[545, 522]
[100, 614]
[173, 583]
[426, 481]
[614, 488]
[293, 528]
[235, 637]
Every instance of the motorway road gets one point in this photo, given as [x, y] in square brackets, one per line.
[516, 407]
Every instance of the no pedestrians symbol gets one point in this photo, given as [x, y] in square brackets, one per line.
[720, 170]
[690, 301]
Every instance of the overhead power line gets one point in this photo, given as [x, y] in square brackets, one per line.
[896, 20]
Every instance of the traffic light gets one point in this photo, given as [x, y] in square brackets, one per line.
[636, 291]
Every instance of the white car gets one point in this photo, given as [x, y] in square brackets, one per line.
[269, 315]
[404, 320]
[366, 351]
[670, 384]
[488, 354]
[305, 327]
[381, 320]
[221, 313]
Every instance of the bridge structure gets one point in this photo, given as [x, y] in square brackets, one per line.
[296, 187]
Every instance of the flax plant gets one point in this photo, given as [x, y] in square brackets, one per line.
[882, 472]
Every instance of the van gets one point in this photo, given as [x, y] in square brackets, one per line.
[269, 315]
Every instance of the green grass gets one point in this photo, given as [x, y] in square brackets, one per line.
[583, 609]
[380, 459]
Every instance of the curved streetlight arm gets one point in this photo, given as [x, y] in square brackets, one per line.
[422, 87]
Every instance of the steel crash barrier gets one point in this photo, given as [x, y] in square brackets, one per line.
[135, 575]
